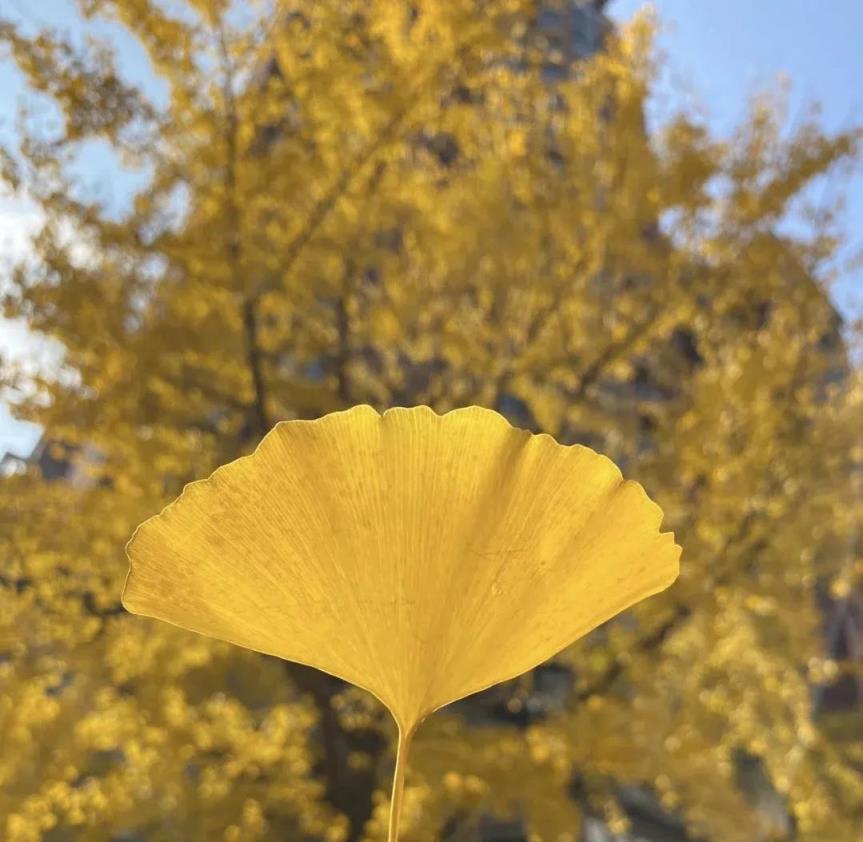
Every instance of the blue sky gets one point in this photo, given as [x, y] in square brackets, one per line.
[717, 55]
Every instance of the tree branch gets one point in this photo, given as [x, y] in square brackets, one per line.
[343, 327]
[260, 419]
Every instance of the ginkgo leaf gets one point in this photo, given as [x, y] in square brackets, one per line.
[421, 557]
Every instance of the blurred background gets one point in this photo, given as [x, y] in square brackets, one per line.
[631, 228]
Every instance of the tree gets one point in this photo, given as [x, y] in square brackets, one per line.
[397, 204]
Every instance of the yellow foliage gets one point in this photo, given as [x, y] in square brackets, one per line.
[397, 204]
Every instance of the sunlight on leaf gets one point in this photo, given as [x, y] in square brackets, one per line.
[421, 557]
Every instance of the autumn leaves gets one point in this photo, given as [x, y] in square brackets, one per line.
[419, 556]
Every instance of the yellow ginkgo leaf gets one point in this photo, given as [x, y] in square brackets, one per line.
[421, 557]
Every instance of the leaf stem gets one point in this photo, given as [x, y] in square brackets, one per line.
[399, 783]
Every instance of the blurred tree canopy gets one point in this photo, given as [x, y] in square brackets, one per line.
[427, 202]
